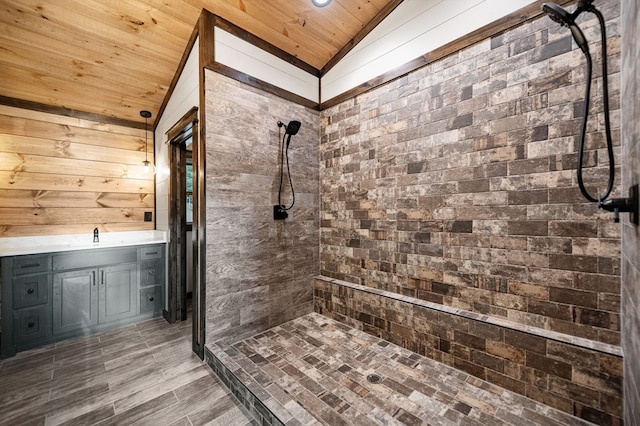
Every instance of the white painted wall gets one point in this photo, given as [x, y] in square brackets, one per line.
[185, 96]
[249, 59]
[414, 28]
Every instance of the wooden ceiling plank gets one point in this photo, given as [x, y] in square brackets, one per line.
[334, 21]
[108, 106]
[98, 100]
[294, 27]
[260, 29]
[71, 15]
[76, 72]
[364, 11]
[145, 21]
[114, 58]
[78, 50]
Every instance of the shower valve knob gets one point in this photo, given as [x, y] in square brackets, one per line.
[624, 205]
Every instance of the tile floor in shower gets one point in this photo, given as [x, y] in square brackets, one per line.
[314, 370]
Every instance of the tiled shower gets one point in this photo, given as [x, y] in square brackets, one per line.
[439, 212]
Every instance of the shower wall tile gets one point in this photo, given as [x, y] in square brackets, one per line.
[455, 185]
[630, 118]
[581, 377]
[259, 271]
[461, 177]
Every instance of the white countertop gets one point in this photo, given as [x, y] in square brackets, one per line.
[13, 246]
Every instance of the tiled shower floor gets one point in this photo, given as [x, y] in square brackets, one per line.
[314, 370]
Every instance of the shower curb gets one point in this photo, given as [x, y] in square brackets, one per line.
[249, 400]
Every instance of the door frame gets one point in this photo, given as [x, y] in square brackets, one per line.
[185, 128]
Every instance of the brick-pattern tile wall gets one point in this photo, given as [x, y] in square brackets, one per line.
[259, 271]
[456, 184]
[577, 380]
[630, 124]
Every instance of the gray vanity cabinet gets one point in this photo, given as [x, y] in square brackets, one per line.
[56, 296]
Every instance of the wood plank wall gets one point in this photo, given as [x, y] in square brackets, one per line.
[63, 175]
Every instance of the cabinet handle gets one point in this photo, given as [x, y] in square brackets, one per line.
[152, 272]
[102, 277]
[31, 324]
[93, 273]
[151, 252]
[29, 265]
[30, 291]
[151, 299]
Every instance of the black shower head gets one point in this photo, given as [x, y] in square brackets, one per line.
[558, 14]
[292, 128]
[566, 19]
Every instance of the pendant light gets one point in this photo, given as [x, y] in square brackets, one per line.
[320, 3]
[147, 166]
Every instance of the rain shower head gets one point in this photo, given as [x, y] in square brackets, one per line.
[566, 19]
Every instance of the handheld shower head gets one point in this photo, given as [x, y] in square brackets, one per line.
[279, 210]
[558, 14]
[292, 128]
[563, 17]
[567, 19]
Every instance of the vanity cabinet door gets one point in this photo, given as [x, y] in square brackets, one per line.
[118, 292]
[75, 300]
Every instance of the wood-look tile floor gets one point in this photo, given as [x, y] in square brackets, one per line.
[142, 374]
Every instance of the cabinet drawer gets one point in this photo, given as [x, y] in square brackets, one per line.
[30, 264]
[92, 258]
[151, 273]
[151, 253]
[151, 299]
[30, 291]
[29, 324]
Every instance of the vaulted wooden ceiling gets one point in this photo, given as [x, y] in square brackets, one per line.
[117, 57]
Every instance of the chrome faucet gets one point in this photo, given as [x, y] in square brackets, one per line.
[96, 239]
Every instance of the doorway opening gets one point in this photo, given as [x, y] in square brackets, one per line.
[183, 285]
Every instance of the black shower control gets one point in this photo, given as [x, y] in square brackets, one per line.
[279, 212]
[623, 205]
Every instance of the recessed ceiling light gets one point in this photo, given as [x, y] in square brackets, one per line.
[320, 3]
